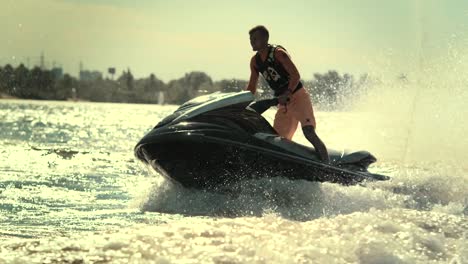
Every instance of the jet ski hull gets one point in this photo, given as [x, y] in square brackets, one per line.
[204, 162]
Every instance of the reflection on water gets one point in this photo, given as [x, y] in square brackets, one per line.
[68, 168]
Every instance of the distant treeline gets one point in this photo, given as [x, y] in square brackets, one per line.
[329, 90]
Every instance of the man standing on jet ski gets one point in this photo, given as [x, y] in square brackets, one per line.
[275, 65]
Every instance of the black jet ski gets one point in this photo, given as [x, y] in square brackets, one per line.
[215, 140]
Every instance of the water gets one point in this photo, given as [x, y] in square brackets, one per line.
[72, 192]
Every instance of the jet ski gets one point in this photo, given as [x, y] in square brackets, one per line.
[215, 140]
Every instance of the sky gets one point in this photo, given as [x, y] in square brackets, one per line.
[171, 38]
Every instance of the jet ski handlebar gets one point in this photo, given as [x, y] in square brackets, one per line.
[263, 105]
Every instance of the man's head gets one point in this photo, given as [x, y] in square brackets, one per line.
[259, 37]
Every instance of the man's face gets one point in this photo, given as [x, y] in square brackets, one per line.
[258, 41]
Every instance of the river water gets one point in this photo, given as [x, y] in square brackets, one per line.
[71, 190]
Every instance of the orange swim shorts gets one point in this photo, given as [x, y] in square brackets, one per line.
[299, 109]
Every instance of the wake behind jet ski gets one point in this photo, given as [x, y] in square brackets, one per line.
[215, 140]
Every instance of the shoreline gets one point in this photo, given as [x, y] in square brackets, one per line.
[8, 97]
[5, 98]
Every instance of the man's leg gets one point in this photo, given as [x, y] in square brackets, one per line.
[285, 123]
[303, 111]
[309, 133]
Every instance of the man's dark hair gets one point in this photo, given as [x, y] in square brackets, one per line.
[261, 29]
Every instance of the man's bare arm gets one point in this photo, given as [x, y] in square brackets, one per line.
[283, 57]
[252, 86]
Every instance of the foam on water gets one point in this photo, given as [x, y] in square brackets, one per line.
[377, 236]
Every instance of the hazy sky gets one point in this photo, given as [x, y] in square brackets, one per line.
[169, 38]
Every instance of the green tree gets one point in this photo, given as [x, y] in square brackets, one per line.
[64, 87]
[1, 84]
[188, 87]
[228, 86]
[330, 90]
[21, 82]
[126, 79]
[41, 84]
[7, 78]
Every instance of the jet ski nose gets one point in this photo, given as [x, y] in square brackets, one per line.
[361, 158]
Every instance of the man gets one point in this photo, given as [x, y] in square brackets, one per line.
[275, 65]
